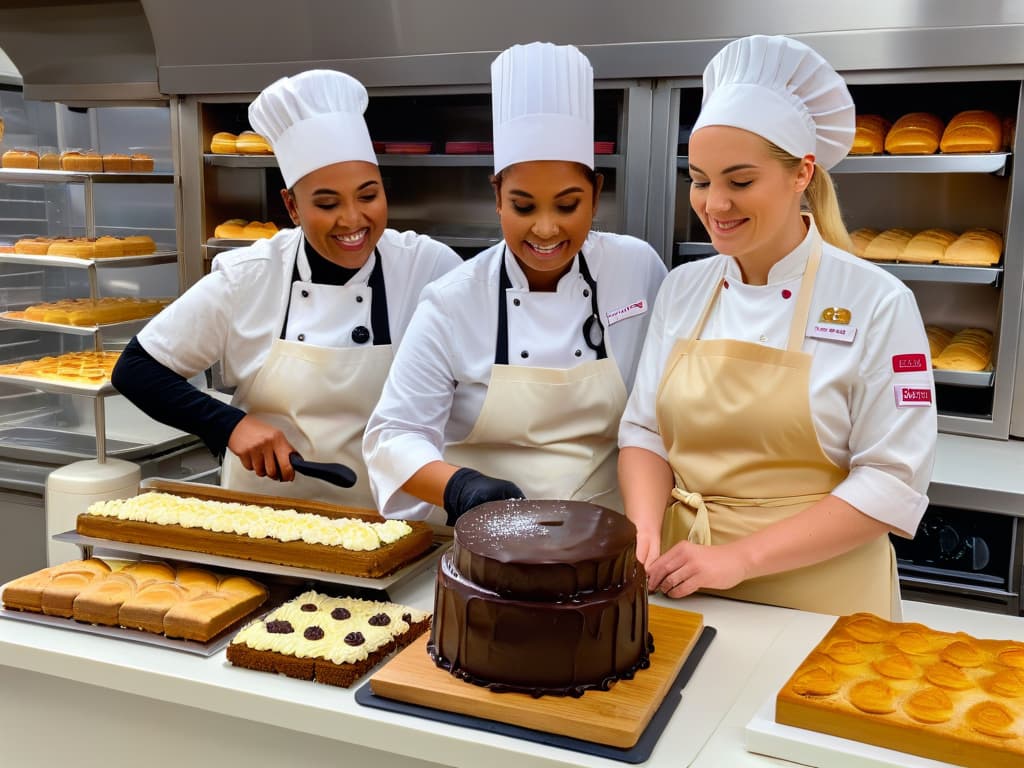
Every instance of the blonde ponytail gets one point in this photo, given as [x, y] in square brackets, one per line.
[821, 200]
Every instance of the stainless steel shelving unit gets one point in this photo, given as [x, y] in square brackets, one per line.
[615, 162]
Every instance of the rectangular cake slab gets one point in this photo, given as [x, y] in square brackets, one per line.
[764, 736]
[616, 717]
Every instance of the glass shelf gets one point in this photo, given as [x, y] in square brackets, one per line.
[126, 177]
[69, 262]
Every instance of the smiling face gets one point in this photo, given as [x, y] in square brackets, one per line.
[546, 209]
[747, 199]
[342, 210]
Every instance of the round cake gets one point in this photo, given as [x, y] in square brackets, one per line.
[542, 597]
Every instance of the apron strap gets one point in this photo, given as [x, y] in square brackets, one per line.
[798, 328]
[706, 313]
[379, 322]
[504, 284]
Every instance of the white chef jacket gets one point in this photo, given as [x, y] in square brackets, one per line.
[234, 314]
[439, 379]
[888, 448]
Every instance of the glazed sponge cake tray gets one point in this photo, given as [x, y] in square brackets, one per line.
[946, 696]
[353, 546]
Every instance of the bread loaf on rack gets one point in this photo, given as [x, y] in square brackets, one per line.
[889, 245]
[976, 247]
[938, 339]
[968, 350]
[928, 247]
[976, 130]
[861, 239]
[917, 133]
[869, 138]
[20, 158]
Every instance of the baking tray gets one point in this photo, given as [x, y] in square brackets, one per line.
[766, 737]
[32, 443]
[101, 547]
[215, 645]
[61, 387]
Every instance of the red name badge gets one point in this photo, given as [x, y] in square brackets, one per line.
[912, 396]
[909, 363]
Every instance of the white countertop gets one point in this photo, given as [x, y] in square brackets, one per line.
[755, 650]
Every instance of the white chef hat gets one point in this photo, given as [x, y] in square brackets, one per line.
[783, 91]
[542, 100]
[312, 120]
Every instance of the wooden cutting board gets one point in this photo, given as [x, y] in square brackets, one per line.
[617, 717]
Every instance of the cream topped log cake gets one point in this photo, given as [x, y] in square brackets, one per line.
[352, 546]
[183, 602]
[327, 639]
[542, 597]
[946, 696]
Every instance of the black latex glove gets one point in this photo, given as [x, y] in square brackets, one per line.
[468, 488]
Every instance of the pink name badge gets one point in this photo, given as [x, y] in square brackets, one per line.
[833, 332]
[632, 309]
[912, 396]
[909, 363]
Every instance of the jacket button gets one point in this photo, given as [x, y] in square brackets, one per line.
[360, 334]
[305, 294]
[301, 337]
[524, 354]
[586, 293]
[516, 302]
[359, 299]
[578, 353]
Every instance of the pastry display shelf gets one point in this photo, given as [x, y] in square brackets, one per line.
[991, 162]
[9, 175]
[61, 387]
[965, 378]
[944, 273]
[431, 160]
[106, 547]
[75, 330]
[69, 262]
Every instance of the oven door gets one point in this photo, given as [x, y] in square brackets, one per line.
[964, 558]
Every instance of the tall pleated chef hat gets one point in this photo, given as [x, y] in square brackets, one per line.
[783, 91]
[313, 120]
[542, 101]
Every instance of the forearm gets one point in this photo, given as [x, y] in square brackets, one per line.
[826, 529]
[429, 481]
[646, 482]
[165, 396]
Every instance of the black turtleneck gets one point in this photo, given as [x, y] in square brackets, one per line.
[163, 395]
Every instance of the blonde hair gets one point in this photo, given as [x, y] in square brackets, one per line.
[821, 200]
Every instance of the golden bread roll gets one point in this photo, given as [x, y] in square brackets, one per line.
[889, 245]
[969, 350]
[49, 161]
[116, 162]
[927, 247]
[255, 230]
[26, 593]
[73, 160]
[141, 163]
[251, 143]
[7, 249]
[976, 248]
[870, 136]
[224, 143]
[938, 339]
[79, 248]
[232, 229]
[976, 130]
[35, 246]
[917, 133]
[138, 245]
[20, 158]
[861, 238]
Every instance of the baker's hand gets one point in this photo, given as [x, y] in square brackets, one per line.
[468, 488]
[648, 547]
[687, 567]
[262, 449]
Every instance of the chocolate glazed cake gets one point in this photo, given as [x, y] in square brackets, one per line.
[541, 597]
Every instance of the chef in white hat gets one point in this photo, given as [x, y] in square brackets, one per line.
[303, 324]
[516, 366]
[783, 419]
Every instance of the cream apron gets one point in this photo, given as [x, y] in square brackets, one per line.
[551, 431]
[320, 398]
[736, 420]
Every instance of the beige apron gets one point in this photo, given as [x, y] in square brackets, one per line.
[551, 431]
[736, 421]
[320, 398]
